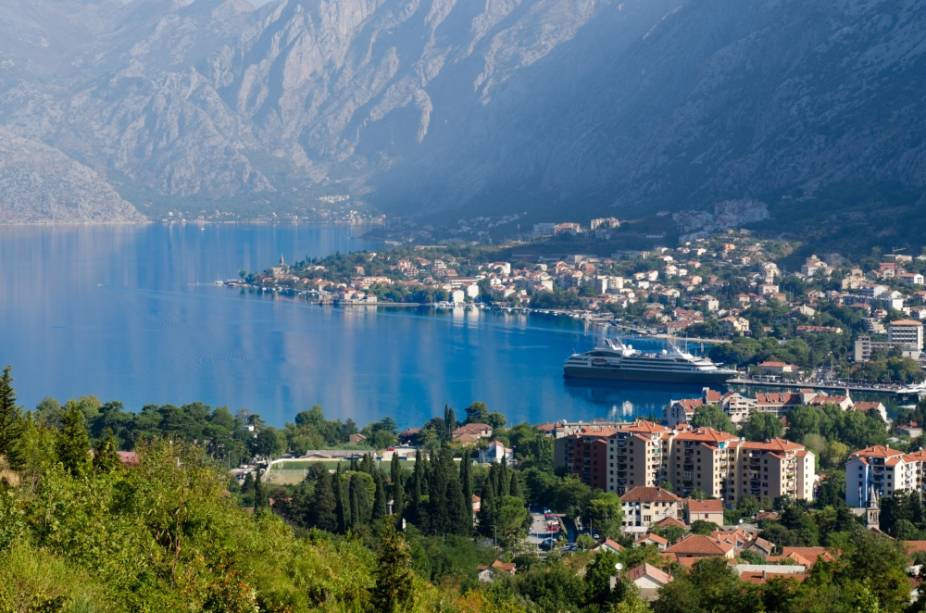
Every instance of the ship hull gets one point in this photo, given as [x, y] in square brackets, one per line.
[623, 374]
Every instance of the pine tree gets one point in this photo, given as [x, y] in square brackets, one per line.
[398, 489]
[11, 423]
[105, 458]
[393, 591]
[380, 506]
[73, 444]
[324, 507]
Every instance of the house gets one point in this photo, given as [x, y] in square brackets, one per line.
[648, 579]
[495, 452]
[762, 547]
[866, 406]
[469, 434]
[762, 573]
[487, 574]
[808, 556]
[654, 539]
[775, 368]
[356, 438]
[128, 458]
[699, 546]
[710, 510]
[611, 545]
[670, 522]
[644, 506]
[477, 505]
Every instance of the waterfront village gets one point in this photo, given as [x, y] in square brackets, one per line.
[814, 319]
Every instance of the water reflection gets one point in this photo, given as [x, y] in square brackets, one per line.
[131, 313]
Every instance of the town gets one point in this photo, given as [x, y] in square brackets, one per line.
[820, 321]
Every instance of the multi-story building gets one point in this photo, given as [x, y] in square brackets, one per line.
[906, 333]
[881, 471]
[645, 506]
[706, 461]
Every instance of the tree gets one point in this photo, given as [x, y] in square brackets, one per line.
[598, 577]
[712, 416]
[512, 520]
[477, 413]
[73, 442]
[324, 511]
[450, 423]
[394, 579]
[762, 427]
[11, 424]
[266, 444]
[466, 488]
[380, 506]
[702, 527]
[260, 495]
[605, 514]
[398, 488]
[105, 458]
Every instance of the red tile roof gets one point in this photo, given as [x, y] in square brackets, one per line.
[706, 435]
[699, 545]
[648, 570]
[649, 495]
[712, 505]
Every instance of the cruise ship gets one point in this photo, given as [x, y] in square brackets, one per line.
[617, 361]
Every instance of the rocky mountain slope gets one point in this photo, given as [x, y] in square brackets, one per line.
[450, 107]
[39, 184]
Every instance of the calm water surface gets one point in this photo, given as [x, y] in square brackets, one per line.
[132, 314]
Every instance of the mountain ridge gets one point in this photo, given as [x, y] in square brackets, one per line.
[440, 108]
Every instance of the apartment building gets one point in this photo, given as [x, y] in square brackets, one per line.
[882, 471]
[907, 334]
[713, 463]
[645, 506]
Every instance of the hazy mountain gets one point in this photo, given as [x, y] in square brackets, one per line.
[39, 184]
[451, 106]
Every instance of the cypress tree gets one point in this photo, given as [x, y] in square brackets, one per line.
[356, 504]
[514, 489]
[394, 589]
[398, 491]
[260, 496]
[450, 423]
[380, 506]
[73, 444]
[416, 494]
[324, 508]
[11, 423]
[486, 504]
[439, 518]
[456, 503]
[342, 503]
[466, 486]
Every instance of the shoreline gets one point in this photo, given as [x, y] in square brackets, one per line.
[578, 315]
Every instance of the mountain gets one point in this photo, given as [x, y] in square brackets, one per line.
[446, 108]
[39, 184]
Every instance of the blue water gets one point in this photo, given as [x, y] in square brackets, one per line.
[132, 314]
